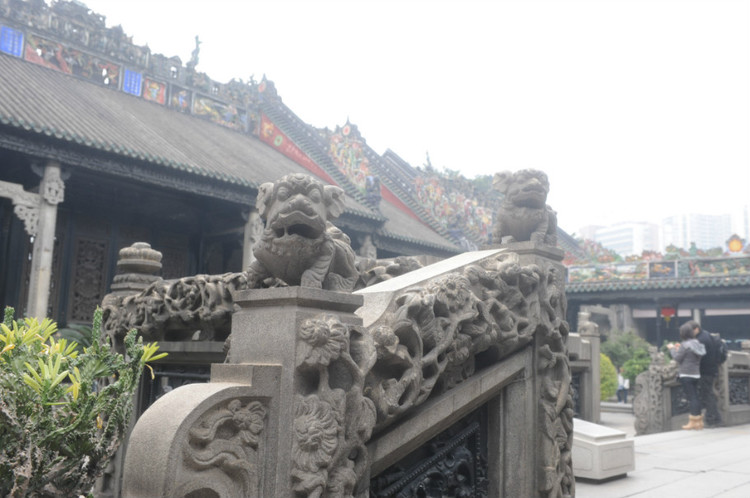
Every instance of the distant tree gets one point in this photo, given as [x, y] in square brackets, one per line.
[638, 363]
[607, 377]
[621, 347]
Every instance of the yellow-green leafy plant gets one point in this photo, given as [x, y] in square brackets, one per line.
[63, 412]
[607, 377]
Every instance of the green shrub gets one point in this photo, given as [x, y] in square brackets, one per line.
[621, 347]
[63, 413]
[80, 334]
[638, 363]
[607, 377]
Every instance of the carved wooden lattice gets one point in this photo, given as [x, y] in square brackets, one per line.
[88, 279]
[452, 464]
[739, 390]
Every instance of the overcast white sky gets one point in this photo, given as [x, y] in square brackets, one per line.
[636, 110]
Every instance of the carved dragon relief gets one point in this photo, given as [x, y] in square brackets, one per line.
[227, 439]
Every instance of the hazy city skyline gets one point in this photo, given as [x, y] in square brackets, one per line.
[680, 230]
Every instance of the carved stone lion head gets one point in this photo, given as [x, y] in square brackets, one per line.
[297, 205]
[524, 188]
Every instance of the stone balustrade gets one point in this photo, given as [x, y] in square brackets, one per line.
[660, 404]
[458, 365]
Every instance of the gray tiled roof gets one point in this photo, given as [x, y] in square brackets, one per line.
[47, 103]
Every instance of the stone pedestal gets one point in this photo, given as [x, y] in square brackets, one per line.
[265, 331]
[600, 452]
[281, 418]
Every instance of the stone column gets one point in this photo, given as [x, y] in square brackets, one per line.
[51, 192]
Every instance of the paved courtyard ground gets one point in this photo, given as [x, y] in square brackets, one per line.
[712, 463]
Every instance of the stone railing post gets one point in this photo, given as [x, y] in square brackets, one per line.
[589, 331]
[284, 417]
[554, 408]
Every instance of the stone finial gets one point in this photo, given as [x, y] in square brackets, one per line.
[523, 214]
[137, 266]
[139, 258]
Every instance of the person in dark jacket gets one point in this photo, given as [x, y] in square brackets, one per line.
[709, 370]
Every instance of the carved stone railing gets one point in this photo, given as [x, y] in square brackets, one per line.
[584, 348]
[315, 400]
[660, 403]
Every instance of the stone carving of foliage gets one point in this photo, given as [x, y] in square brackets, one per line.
[176, 307]
[332, 418]
[435, 336]
[649, 398]
[228, 438]
[431, 340]
[372, 271]
[454, 463]
[556, 404]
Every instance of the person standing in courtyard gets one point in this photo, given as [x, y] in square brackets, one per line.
[623, 384]
[709, 370]
[688, 355]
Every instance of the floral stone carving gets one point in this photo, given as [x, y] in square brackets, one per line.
[332, 418]
[176, 309]
[435, 336]
[431, 340]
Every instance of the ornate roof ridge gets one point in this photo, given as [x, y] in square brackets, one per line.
[659, 283]
[306, 137]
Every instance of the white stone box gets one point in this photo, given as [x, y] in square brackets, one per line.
[600, 452]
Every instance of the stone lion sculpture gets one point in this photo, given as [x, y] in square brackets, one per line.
[300, 245]
[524, 214]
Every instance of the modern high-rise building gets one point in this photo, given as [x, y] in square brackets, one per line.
[707, 231]
[629, 238]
